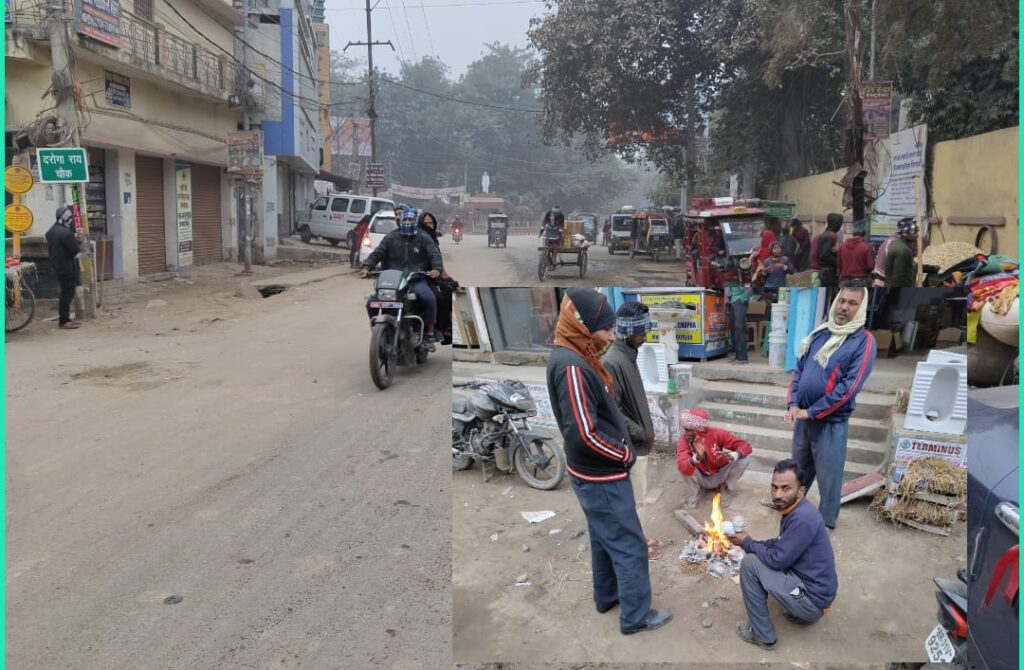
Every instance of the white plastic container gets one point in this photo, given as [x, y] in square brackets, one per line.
[776, 350]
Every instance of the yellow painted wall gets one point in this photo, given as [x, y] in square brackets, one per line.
[815, 196]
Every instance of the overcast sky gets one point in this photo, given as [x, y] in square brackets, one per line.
[453, 30]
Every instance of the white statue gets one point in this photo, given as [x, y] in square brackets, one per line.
[486, 183]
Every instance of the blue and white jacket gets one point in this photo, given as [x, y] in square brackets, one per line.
[830, 394]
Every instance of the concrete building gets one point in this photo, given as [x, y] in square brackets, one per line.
[323, 59]
[156, 91]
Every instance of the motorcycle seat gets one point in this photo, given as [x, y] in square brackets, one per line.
[459, 405]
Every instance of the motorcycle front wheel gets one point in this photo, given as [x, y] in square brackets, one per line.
[545, 478]
[382, 364]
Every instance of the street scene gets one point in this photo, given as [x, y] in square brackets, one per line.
[522, 545]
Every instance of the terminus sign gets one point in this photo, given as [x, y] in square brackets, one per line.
[62, 166]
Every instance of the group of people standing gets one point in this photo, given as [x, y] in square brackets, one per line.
[601, 409]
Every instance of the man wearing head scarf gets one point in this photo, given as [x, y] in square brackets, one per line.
[64, 246]
[899, 259]
[632, 323]
[710, 458]
[856, 262]
[835, 361]
[599, 456]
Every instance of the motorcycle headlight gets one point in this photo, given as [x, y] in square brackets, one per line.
[387, 294]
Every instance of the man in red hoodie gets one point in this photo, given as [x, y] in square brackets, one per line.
[710, 458]
[856, 262]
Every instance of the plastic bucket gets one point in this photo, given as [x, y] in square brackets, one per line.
[776, 351]
[780, 317]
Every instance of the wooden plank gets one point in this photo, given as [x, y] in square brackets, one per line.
[935, 530]
[861, 486]
[689, 522]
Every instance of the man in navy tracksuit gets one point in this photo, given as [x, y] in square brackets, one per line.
[797, 569]
[835, 362]
[599, 456]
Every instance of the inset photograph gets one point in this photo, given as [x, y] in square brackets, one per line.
[648, 474]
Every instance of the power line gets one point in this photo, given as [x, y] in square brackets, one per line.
[426, 24]
[408, 27]
[394, 28]
[460, 100]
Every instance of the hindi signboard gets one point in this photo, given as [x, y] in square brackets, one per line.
[100, 20]
[118, 90]
[183, 194]
[876, 102]
[62, 166]
[375, 175]
[401, 191]
[245, 154]
[896, 181]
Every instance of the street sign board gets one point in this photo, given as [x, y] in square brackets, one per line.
[17, 218]
[17, 179]
[375, 175]
[63, 166]
[245, 154]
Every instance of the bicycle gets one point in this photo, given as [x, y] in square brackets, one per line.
[20, 301]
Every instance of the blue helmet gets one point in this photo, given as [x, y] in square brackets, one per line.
[407, 222]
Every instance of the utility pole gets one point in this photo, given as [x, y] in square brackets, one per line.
[855, 140]
[371, 113]
[871, 60]
[247, 209]
[63, 62]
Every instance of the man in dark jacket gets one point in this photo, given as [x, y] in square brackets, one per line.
[835, 361]
[64, 246]
[856, 262]
[803, 240]
[797, 568]
[599, 456]
[899, 259]
[632, 323]
[824, 258]
[410, 249]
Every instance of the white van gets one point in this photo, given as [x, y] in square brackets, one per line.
[333, 217]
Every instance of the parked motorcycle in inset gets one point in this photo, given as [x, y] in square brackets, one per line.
[398, 327]
[492, 426]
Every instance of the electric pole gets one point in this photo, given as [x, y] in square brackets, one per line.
[63, 85]
[371, 112]
[855, 141]
[247, 208]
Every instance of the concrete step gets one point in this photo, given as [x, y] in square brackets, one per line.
[872, 406]
[880, 381]
[764, 462]
[868, 430]
[781, 442]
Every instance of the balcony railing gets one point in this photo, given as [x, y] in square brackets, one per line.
[148, 45]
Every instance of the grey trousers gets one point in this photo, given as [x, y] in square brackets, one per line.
[758, 581]
[729, 476]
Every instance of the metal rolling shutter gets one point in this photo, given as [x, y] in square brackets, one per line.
[207, 246]
[149, 175]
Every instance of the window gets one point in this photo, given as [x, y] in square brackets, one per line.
[383, 225]
[339, 205]
[320, 204]
[522, 318]
[378, 205]
[358, 206]
[144, 9]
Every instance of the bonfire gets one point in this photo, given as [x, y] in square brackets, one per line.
[713, 547]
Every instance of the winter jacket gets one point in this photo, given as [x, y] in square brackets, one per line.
[716, 442]
[899, 265]
[803, 238]
[822, 256]
[776, 271]
[830, 395]
[63, 249]
[596, 442]
[855, 259]
[408, 253]
[803, 547]
[630, 396]
[881, 256]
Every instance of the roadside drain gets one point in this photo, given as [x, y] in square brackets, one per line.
[268, 291]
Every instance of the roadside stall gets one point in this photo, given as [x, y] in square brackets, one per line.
[702, 325]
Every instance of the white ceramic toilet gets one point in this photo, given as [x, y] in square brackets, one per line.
[653, 367]
[938, 399]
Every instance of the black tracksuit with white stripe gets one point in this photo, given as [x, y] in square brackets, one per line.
[597, 445]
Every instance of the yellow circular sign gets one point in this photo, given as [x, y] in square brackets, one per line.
[18, 218]
[17, 179]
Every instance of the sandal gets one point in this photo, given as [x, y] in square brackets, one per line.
[653, 553]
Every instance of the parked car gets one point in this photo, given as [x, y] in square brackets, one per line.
[993, 527]
[382, 223]
[334, 217]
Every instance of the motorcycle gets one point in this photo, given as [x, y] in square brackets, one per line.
[397, 327]
[456, 235]
[946, 644]
[492, 426]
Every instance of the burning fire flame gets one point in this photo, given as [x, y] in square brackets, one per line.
[717, 542]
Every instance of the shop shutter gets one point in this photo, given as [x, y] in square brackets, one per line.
[207, 245]
[149, 175]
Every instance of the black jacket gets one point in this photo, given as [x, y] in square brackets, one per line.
[413, 253]
[597, 446]
[63, 249]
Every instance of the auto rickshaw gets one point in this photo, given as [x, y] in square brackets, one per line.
[497, 230]
[622, 232]
[651, 235]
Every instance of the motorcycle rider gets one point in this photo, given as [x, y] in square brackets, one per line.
[410, 249]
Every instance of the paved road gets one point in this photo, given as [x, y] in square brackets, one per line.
[236, 454]
[474, 264]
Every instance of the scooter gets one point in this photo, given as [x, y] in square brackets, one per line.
[456, 235]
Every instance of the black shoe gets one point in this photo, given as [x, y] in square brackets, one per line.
[746, 633]
[792, 619]
[609, 608]
[655, 620]
[429, 345]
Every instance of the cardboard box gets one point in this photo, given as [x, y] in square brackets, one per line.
[949, 337]
[889, 343]
[757, 308]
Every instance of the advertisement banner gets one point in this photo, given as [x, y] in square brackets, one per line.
[689, 328]
[896, 178]
[909, 449]
[876, 101]
[375, 175]
[183, 194]
[100, 20]
[350, 136]
[401, 191]
[245, 154]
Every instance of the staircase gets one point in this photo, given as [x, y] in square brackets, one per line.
[753, 411]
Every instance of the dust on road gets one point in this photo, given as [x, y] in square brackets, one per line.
[884, 610]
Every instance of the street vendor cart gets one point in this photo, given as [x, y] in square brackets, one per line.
[561, 247]
[702, 325]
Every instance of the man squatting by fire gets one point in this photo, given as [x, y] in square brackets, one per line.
[710, 458]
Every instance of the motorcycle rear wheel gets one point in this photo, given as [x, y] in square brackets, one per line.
[382, 364]
[548, 478]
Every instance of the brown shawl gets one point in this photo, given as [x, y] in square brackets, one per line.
[571, 333]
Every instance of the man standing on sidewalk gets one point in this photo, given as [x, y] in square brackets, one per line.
[856, 262]
[899, 258]
[632, 323]
[835, 361]
[710, 458]
[64, 247]
[599, 456]
[739, 299]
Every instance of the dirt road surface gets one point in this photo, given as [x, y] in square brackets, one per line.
[473, 263]
[884, 610]
[233, 454]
